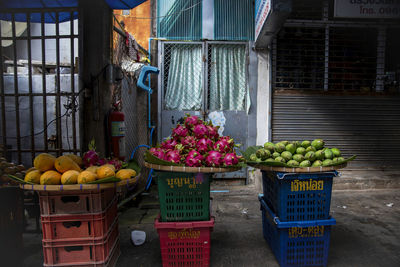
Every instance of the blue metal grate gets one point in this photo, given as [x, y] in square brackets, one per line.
[179, 19]
[234, 20]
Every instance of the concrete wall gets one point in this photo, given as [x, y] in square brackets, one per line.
[137, 23]
[263, 98]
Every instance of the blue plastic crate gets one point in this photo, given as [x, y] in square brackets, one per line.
[298, 196]
[299, 243]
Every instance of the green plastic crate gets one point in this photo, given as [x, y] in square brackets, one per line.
[184, 196]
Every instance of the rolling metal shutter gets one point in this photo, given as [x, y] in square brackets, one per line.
[366, 126]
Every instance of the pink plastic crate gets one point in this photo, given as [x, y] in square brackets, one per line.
[72, 227]
[185, 243]
[80, 252]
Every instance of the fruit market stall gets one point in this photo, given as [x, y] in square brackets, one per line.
[78, 206]
[184, 165]
[297, 182]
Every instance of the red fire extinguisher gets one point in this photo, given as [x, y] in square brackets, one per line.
[117, 132]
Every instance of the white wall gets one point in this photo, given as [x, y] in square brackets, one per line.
[263, 98]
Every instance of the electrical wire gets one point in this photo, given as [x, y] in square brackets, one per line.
[71, 106]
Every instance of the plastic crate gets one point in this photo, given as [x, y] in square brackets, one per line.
[72, 227]
[80, 252]
[300, 243]
[75, 202]
[185, 243]
[110, 262]
[298, 196]
[184, 196]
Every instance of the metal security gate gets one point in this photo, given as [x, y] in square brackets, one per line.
[337, 81]
[365, 126]
[39, 82]
[201, 102]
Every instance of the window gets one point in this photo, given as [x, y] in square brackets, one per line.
[184, 81]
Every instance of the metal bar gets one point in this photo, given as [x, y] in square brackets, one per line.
[380, 59]
[43, 33]
[38, 150]
[326, 63]
[37, 10]
[349, 24]
[58, 97]
[205, 69]
[16, 89]
[38, 94]
[40, 37]
[28, 21]
[3, 108]
[73, 85]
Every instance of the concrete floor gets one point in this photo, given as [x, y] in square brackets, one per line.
[366, 233]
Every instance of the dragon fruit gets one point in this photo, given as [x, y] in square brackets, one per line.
[169, 144]
[189, 142]
[117, 163]
[214, 159]
[230, 159]
[194, 159]
[159, 153]
[212, 132]
[200, 130]
[101, 161]
[192, 121]
[228, 139]
[222, 146]
[204, 145]
[179, 131]
[173, 156]
[90, 158]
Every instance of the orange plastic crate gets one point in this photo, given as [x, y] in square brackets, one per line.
[72, 227]
[80, 252]
[75, 202]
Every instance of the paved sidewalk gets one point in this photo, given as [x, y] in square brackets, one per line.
[366, 234]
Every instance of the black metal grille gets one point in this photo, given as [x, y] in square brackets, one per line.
[352, 59]
[38, 81]
[300, 59]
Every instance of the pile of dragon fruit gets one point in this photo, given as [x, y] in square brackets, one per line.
[196, 144]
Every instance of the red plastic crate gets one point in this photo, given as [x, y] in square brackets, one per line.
[75, 202]
[185, 243]
[72, 227]
[80, 252]
[110, 262]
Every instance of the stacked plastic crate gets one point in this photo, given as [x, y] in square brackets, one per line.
[80, 228]
[185, 225]
[295, 216]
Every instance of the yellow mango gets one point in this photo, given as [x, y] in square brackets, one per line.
[104, 172]
[44, 162]
[126, 174]
[50, 177]
[33, 176]
[86, 176]
[65, 163]
[70, 177]
[78, 160]
[92, 169]
[110, 166]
